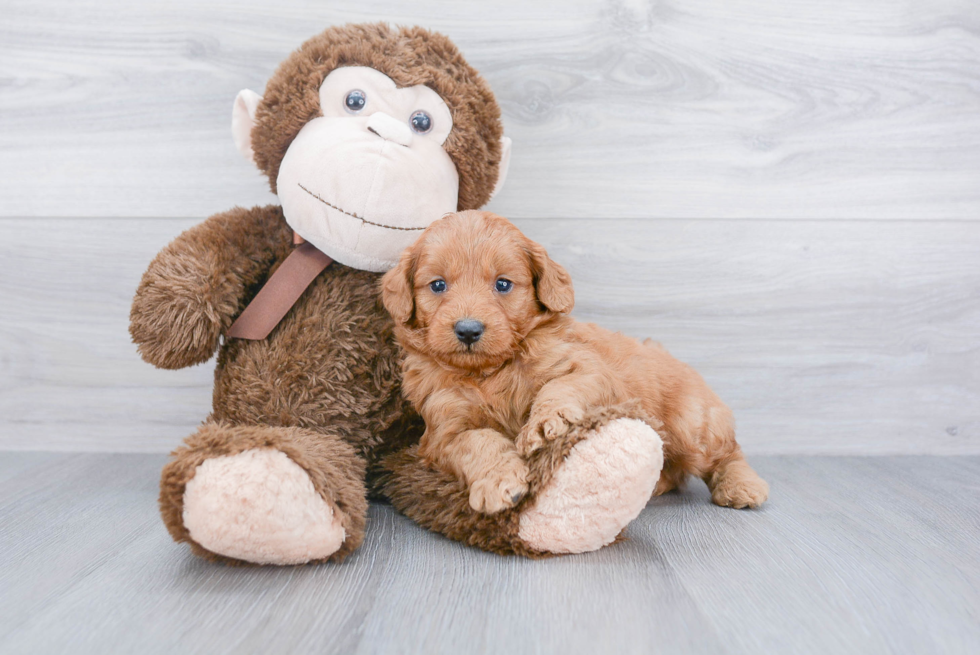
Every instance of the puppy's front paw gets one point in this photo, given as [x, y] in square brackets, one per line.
[501, 488]
[546, 423]
[529, 440]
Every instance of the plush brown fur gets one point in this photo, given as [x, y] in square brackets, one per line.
[325, 386]
[194, 288]
[535, 372]
[439, 500]
[409, 56]
[336, 470]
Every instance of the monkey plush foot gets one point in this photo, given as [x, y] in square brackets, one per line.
[265, 495]
[584, 488]
[259, 506]
[605, 483]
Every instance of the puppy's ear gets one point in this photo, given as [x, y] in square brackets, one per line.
[552, 283]
[398, 287]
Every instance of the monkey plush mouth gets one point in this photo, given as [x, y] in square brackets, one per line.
[360, 218]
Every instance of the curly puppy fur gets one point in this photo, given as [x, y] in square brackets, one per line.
[534, 372]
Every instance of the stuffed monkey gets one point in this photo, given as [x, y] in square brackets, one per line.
[367, 134]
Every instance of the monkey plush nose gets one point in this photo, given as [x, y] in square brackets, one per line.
[468, 330]
[390, 129]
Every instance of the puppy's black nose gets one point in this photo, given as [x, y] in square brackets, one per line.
[468, 330]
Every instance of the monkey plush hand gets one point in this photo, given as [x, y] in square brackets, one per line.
[367, 133]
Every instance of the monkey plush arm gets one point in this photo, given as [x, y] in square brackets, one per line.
[195, 286]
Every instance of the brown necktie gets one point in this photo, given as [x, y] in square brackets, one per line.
[280, 293]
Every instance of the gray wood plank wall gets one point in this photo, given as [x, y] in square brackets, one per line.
[786, 194]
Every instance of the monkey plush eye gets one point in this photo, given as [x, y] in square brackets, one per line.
[355, 101]
[504, 286]
[437, 286]
[421, 122]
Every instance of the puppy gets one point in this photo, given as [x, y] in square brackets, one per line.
[496, 367]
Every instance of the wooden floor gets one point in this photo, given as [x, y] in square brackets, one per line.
[851, 555]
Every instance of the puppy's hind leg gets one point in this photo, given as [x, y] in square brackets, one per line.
[733, 483]
[673, 477]
[736, 484]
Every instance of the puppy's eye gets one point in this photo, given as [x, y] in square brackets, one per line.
[437, 286]
[355, 100]
[504, 286]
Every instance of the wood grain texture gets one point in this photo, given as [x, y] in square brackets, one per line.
[824, 336]
[70, 379]
[14, 465]
[850, 555]
[618, 108]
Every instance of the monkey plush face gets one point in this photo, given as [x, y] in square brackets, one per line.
[369, 134]
[364, 179]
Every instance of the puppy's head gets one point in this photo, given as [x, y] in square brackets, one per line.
[471, 288]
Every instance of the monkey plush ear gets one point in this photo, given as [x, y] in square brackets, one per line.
[505, 143]
[242, 120]
[552, 283]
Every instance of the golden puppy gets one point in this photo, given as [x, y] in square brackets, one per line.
[495, 366]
